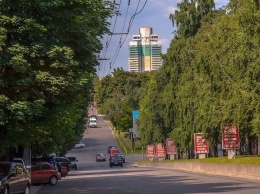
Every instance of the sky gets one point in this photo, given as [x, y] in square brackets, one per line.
[134, 15]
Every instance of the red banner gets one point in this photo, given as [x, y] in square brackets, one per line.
[200, 144]
[160, 151]
[150, 151]
[171, 148]
[230, 137]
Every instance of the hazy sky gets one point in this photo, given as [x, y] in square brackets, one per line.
[134, 15]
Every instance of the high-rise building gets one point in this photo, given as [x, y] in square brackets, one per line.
[145, 51]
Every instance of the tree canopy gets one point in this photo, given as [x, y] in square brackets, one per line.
[48, 54]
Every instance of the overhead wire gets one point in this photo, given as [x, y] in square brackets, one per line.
[128, 30]
[109, 37]
[121, 43]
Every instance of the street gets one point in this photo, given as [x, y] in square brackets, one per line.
[98, 178]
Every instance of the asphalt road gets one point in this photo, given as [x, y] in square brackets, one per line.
[98, 178]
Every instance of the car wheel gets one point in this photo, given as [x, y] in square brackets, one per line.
[111, 166]
[6, 190]
[121, 165]
[27, 190]
[76, 167]
[53, 180]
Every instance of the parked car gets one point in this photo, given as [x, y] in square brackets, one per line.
[74, 162]
[121, 155]
[100, 157]
[14, 178]
[115, 161]
[50, 160]
[62, 170]
[20, 160]
[44, 173]
[65, 162]
[79, 145]
[53, 161]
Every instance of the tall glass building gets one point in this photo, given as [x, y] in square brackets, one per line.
[145, 51]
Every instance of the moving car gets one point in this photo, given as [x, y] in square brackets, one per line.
[121, 155]
[113, 151]
[100, 157]
[115, 161]
[44, 173]
[92, 122]
[111, 147]
[74, 162]
[94, 116]
[79, 145]
[14, 178]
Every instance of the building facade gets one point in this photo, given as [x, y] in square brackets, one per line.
[144, 51]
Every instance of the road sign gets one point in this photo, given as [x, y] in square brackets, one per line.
[230, 137]
[171, 148]
[135, 114]
[200, 144]
[160, 151]
[150, 151]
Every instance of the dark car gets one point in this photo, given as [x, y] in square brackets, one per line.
[111, 147]
[115, 161]
[73, 161]
[64, 162]
[100, 157]
[44, 173]
[121, 155]
[14, 178]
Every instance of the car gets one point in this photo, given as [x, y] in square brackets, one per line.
[121, 155]
[14, 178]
[49, 159]
[74, 162]
[93, 116]
[100, 157]
[111, 147]
[79, 145]
[115, 161]
[44, 173]
[65, 162]
[20, 160]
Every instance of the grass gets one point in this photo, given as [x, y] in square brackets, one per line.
[126, 145]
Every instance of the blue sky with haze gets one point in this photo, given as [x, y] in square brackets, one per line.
[137, 14]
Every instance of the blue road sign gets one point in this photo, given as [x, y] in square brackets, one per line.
[136, 114]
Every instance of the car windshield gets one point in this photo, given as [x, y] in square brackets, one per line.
[4, 169]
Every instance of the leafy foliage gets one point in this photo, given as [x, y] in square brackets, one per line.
[47, 61]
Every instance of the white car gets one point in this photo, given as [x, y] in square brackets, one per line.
[79, 145]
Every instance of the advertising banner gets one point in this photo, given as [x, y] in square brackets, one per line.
[160, 151]
[200, 144]
[171, 148]
[230, 137]
[150, 151]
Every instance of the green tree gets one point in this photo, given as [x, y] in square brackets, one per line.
[48, 54]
